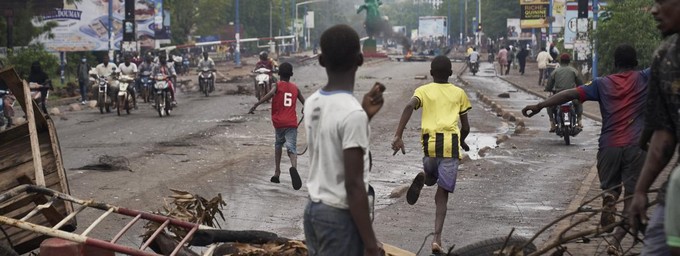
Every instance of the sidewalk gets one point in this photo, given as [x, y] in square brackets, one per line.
[589, 188]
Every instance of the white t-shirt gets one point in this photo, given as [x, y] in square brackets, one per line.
[127, 70]
[336, 122]
[474, 57]
[105, 70]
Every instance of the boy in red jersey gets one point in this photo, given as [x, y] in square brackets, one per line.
[284, 117]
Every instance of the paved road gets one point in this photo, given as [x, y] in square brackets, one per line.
[524, 182]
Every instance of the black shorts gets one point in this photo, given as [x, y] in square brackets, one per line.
[616, 165]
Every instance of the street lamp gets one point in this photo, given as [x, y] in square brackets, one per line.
[297, 5]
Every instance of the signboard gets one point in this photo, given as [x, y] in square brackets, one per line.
[534, 13]
[309, 20]
[432, 26]
[83, 26]
[577, 29]
[514, 31]
[558, 11]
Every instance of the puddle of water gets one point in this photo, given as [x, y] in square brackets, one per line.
[478, 141]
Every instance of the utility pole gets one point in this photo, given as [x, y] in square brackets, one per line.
[462, 22]
[596, 9]
[110, 30]
[550, 21]
[237, 28]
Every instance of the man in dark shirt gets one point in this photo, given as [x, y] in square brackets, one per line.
[663, 120]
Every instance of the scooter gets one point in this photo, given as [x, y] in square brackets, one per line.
[565, 120]
[146, 84]
[206, 80]
[40, 93]
[162, 95]
[124, 98]
[185, 64]
[6, 109]
[262, 82]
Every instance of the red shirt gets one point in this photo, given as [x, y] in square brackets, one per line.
[284, 114]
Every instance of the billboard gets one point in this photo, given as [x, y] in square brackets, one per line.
[83, 26]
[534, 13]
[432, 26]
[514, 31]
[577, 29]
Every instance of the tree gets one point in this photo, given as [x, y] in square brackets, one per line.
[182, 19]
[24, 30]
[22, 60]
[624, 19]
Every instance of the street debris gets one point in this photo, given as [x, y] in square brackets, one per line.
[504, 95]
[108, 163]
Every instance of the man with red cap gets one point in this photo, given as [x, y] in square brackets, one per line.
[563, 78]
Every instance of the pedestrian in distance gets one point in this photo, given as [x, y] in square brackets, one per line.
[284, 95]
[444, 106]
[622, 97]
[336, 218]
[511, 58]
[662, 133]
[83, 79]
[503, 59]
[522, 59]
[542, 60]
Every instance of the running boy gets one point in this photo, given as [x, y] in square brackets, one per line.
[444, 106]
[284, 118]
[336, 219]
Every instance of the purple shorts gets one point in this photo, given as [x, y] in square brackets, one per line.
[443, 169]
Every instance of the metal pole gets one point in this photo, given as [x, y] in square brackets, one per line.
[237, 54]
[550, 24]
[293, 25]
[596, 9]
[297, 41]
[448, 23]
[466, 20]
[462, 21]
[110, 29]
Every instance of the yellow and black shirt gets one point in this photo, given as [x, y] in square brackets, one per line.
[442, 104]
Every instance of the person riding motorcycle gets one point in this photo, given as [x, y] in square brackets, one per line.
[129, 69]
[207, 62]
[168, 70]
[473, 59]
[266, 62]
[563, 78]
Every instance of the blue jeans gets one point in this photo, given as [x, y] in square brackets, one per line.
[331, 231]
[655, 237]
[287, 137]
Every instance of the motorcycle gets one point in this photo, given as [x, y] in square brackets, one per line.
[124, 98]
[565, 120]
[185, 64]
[7, 101]
[474, 67]
[262, 82]
[146, 84]
[103, 98]
[162, 95]
[206, 80]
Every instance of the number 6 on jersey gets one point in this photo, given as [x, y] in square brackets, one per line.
[287, 99]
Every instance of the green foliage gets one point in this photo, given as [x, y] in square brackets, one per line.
[182, 19]
[627, 22]
[24, 31]
[22, 60]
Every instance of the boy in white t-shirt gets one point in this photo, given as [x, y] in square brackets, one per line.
[336, 219]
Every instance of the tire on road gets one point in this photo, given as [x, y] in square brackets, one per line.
[489, 246]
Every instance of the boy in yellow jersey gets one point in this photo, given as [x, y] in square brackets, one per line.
[444, 106]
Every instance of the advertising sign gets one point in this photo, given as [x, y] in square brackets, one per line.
[84, 25]
[577, 29]
[534, 15]
[432, 26]
[514, 31]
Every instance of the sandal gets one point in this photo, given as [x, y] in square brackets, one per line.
[295, 178]
[275, 179]
[437, 249]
